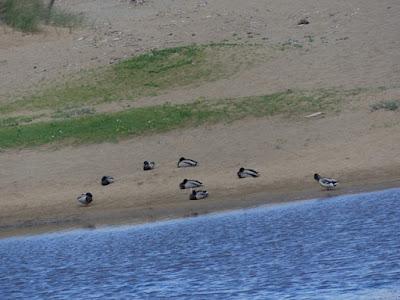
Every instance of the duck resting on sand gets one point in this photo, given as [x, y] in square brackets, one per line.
[243, 173]
[85, 198]
[106, 180]
[190, 184]
[148, 165]
[197, 195]
[328, 183]
[186, 162]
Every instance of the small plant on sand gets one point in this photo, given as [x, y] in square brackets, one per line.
[386, 105]
[27, 15]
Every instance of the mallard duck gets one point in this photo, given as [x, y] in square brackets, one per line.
[243, 173]
[148, 165]
[197, 195]
[186, 162]
[106, 180]
[328, 183]
[85, 198]
[190, 184]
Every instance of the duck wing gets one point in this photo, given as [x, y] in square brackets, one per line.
[328, 181]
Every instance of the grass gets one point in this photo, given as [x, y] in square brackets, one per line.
[66, 114]
[145, 75]
[386, 105]
[145, 120]
[28, 15]
[15, 121]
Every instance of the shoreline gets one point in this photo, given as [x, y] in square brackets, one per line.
[39, 187]
[132, 217]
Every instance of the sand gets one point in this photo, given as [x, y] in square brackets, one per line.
[355, 46]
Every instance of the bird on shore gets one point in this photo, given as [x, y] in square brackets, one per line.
[106, 180]
[190, 184]
[186, 162]
[197, 195]
[85, 198]
[148, 165]
[328, 183]
[243, 173]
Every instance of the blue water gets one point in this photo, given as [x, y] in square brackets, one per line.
[346, 247]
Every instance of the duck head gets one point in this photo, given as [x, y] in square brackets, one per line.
[317, 177]
[182, 184]
[89, 197]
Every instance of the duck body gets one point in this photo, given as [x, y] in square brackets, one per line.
[198, 195]
[148, 165]
[190, 184]
[186, 162]
[243, 173]
[106, 180]
[328, 183]
[85, 198]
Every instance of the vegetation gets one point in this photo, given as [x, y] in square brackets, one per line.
[144, 75]
[113, 126]
[67, 113]
[386, 105]
[27, 15]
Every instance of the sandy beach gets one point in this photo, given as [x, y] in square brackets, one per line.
[41, 185]
[358, 146]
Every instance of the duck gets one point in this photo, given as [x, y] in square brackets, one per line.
[186, 162]
[85, 198]
[190, 184]
[328, 183]
[197, 195]
[106, 180]
[148, 165]
[243, 173]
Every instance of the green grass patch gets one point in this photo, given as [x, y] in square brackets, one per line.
[24, 15]
[66, 114]
[144, 75]
[386, 105]
[15, 121]
[145, 120]
[27, 15]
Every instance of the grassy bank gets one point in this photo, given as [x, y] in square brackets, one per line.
[28, 15]
[113, 126]
[144, 75]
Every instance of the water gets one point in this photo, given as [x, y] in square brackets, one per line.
[346, 247]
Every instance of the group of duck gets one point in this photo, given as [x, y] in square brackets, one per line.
[192, 184]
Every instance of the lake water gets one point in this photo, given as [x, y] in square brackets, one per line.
[345, 247]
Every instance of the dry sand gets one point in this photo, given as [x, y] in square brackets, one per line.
[355, 44]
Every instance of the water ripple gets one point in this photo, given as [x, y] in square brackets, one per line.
[341, 248]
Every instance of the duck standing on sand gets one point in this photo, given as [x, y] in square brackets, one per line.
[148, 165]
[190, 184]
[243, 173]
[106, 180]
[197, 195]
[186, 162]
[328, 183]
[85, 198]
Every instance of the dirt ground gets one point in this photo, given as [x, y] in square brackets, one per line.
[347, 44]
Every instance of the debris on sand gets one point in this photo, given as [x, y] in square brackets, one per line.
[137, 2]
[303, 21]
[314, 115]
